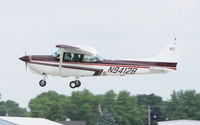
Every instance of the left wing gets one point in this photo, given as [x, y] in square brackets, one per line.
[79, 49]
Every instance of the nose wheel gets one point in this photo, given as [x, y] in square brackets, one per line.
[43, 82]
[74, 84]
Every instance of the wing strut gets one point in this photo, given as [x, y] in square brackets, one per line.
[61, 60]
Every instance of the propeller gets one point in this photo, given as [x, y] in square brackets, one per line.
[25, 59]
[25, 62]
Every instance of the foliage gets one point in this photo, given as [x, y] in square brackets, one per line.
[2, 109]
[184, 105]
[109, 100]
[11, 108]
[49, 105]
[118, 109]
[149, 100]
[156, 104]
[83, 106]
[128, 110]
[14, 110]
[109, 117]
[122, 108]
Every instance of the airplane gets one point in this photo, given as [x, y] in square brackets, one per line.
[83, 61]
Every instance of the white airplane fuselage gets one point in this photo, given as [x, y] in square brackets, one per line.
[72, 61]
[80, 69]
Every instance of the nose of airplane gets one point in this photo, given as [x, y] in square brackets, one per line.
[24, 58]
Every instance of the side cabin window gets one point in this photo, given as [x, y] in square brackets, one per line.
[75, 57]
[72, 57]
[67, 57]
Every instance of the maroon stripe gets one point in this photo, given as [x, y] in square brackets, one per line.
[97, 71]
[114, 62]
[139, 63]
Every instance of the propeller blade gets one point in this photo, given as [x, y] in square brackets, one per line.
[25, 62]
[26, 66]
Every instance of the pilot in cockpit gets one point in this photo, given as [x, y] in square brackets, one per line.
[57, 54]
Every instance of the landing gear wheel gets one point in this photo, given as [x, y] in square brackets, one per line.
[78, 83]
[42, 83]
[72, 84]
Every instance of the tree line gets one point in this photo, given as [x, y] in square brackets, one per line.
[110, 108]
[11, 108]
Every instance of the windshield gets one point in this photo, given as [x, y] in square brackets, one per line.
[100, 58]
[57, 54]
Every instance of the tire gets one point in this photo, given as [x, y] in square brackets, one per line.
[72, 84]
[78, 83]
[42, 83]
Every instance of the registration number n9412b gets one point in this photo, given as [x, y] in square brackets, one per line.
[122, 70]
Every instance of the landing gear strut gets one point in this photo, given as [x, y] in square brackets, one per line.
[76, 83]
[43, 82]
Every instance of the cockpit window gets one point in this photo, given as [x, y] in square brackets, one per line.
[57, 54]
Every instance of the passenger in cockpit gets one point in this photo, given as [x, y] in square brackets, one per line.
[76, 58]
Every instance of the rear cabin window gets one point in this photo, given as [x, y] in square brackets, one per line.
[87, 58]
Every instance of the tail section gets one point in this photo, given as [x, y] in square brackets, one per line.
[168, 56]
[171, 53]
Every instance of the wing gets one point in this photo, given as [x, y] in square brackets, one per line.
[79, 49]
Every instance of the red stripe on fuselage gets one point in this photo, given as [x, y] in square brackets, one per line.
[172, 68]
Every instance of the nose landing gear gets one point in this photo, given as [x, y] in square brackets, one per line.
[43, 82]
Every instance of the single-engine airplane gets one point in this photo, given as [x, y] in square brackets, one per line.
[83, 61]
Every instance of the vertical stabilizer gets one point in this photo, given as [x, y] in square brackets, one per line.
[171, 53]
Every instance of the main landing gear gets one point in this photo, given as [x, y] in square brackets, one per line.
[76, 83]
[72, 84]
[43, 82]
